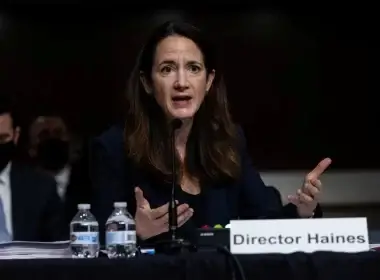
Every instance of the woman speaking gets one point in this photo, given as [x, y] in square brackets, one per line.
[176, 77]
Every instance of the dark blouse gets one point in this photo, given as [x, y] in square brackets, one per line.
[194, 201]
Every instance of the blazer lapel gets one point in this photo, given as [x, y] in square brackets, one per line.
[19, 202]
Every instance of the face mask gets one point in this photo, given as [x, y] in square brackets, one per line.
[53, 154]
[6, 153]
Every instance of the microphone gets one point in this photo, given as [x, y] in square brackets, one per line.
[175, 125]
[177, 245]
[174, 245]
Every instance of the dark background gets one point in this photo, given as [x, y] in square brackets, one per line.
[302, 86]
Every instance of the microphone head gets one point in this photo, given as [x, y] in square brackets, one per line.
[176, 124]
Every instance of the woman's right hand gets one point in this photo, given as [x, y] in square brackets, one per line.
[152, 222]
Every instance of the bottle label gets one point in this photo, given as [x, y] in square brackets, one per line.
[84, 238]
[120, 237]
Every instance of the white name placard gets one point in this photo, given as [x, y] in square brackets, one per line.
[299, 235]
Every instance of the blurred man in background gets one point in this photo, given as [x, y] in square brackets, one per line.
[53, 149]
[50, 149]
[30, 209]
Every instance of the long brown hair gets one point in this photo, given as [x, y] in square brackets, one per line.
[212, 148]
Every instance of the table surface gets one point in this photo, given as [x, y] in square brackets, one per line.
[201, 265]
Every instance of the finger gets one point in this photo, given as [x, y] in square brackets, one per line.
[310, 189]
[304, 198]
[165, 218]
[319, 169]
[317, 184]
[184, 220]
[185, 217]
[294, 199]
[160, 211]
[182, 209]
[141, 202]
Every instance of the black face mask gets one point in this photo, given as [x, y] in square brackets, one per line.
[6, 153]
[53, 154]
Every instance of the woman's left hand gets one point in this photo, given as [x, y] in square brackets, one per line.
[308, 196]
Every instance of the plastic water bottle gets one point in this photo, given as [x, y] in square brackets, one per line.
[84, 233]
[120, 233]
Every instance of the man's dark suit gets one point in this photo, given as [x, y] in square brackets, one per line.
[114, 178]
[36, 207]
[78, 190]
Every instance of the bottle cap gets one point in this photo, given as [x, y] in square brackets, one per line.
[120, 204]
[84, 206]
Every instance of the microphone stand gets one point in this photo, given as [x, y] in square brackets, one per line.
[177, 245]
[173, 224]
[174, 245]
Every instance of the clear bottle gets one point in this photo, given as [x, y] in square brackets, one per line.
[121, 233]
[84, 233]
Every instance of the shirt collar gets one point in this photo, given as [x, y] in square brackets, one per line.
[63, 176]
[4, 175]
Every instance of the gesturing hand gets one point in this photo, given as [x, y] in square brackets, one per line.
[308, 196]
[152, 222]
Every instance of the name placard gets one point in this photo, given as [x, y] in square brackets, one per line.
[299, 235]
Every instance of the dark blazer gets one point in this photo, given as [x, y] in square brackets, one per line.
[78, 190]
[36, 207]
[114, 178]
